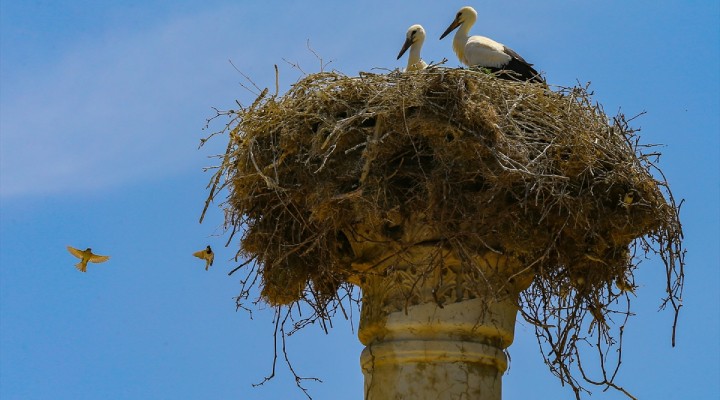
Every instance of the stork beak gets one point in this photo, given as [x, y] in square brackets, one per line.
[452, 27]
[406, 45]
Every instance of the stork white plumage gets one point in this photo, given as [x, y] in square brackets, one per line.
[484, 52]
[414, 40]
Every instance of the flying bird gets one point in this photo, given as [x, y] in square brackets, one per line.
[85, 256]
[624, 285]
[414, 40]
[206, 255]
[484, 52]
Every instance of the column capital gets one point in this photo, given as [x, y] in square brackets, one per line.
[436, 325]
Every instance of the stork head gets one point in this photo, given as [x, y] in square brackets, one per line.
[466, 16]
[415, 34]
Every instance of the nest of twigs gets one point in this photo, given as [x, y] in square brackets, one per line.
[512, 167]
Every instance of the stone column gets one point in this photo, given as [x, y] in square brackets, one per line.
[436, 327]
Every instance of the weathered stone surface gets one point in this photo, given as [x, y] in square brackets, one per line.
[429, 334]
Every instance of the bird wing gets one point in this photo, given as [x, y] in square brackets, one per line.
[485, 52]
[201, 254]
[77, 253]
[98, 258]
[515, 55]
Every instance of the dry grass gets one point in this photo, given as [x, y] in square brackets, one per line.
[544, 177]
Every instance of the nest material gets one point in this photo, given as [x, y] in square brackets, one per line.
[542, 176]
[508, 166]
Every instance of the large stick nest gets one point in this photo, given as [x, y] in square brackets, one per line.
[510, 167]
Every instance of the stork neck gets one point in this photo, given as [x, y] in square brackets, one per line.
[414, 56]
[459, 41]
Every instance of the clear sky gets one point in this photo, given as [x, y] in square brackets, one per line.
[102, 108]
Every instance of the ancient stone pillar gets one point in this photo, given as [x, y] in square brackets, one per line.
[436, 327]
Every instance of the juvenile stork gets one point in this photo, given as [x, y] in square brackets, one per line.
[414, 40]
[484, 52]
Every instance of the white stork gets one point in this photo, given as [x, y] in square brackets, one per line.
[414, 40]
[484, 52]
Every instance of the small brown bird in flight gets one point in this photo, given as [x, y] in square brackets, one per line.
[206, 255]
[624, 285]
[85, 256]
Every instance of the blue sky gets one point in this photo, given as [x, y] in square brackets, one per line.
[101, 110]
